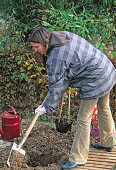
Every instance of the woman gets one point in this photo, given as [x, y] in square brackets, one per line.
[74, 62]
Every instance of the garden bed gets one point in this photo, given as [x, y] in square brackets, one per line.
[46, 148]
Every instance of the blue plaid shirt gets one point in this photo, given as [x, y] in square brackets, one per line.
[80, 65]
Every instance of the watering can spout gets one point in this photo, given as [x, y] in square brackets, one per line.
[2, 132]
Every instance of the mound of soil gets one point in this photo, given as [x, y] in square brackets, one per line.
[46, 148]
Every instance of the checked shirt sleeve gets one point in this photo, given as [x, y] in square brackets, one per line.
[57, 84]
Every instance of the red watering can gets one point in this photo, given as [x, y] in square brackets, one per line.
[94, 125]
[10, 121]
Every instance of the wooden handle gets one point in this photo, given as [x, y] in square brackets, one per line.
[31, 125]
[61, 110]
[69, 106]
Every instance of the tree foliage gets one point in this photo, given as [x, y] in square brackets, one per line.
[23, 81]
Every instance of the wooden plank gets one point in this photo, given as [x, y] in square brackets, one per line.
[102, 157]
[99, 160]
[104, 153]
[99, 165]
[101, 151]
[102, 160]
[94, 167]
[91, 168]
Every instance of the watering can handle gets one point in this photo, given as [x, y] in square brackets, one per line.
[11, 108]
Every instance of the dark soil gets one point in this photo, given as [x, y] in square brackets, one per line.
[46, 148]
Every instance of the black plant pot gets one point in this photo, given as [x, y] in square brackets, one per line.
[63, 126]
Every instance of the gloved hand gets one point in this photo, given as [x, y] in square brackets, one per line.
[40, 109]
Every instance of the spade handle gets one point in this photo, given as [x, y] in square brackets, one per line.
[29, 130]
[69, 105]
[31, 125]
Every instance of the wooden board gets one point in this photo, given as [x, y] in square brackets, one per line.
[99, 160]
